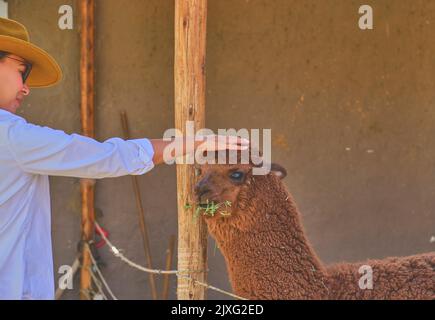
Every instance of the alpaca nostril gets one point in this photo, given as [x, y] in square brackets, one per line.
[199, 187]
[202, 188]
[203, 192]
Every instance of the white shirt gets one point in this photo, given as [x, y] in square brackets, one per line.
[28, 155]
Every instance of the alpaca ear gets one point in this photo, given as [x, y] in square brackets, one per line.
[278, 170]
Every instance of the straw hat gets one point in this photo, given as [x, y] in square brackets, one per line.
[14, 39]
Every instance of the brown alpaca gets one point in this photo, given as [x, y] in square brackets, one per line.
[269, 257]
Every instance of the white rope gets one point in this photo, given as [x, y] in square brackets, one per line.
[117, 253]
[98, 284]
[94, 262]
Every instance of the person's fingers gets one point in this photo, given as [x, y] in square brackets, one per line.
[233, 140]
[244, 141]
[227, 139]
[206, 147]
[221, 143]
[235, 147]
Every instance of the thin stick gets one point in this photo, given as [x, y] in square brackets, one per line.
[169, 255]
[141, 213]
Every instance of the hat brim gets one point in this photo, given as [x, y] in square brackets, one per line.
[46, 72]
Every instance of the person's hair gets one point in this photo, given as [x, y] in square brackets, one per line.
[3, 55]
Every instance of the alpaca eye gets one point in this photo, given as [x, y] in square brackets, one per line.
[237, 175]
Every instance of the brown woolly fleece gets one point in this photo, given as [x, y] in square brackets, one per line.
[269, 257]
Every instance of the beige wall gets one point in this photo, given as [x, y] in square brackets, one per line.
[352, 117]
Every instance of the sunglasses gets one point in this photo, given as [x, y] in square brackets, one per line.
[27, 70]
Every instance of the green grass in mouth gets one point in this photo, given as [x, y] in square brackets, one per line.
[210, 208]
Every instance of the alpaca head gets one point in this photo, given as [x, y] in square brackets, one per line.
[228, 194]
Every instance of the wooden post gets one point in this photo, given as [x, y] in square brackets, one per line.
[87, 92]
[189, 74]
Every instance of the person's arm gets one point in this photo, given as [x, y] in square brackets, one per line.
[42, 150]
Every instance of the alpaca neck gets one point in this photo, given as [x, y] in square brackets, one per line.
[273, 259]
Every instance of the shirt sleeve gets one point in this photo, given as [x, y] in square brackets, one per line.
[42, 150]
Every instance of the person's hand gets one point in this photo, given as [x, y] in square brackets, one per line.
[220, 143]
[167, 151]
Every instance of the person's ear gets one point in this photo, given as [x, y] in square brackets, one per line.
[25, 90]
[278, 170]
